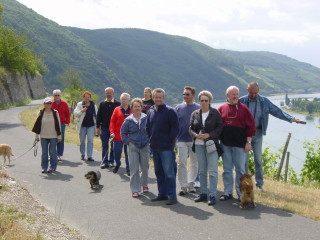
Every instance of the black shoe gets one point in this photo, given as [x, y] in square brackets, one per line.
[158, 198]
[103, 166]
[182, 193]
[201, 198]
[172, 202]
[90, 159]
[225, 197]
[115, 170]
[128, 173]
[212, 200]
[82, 157]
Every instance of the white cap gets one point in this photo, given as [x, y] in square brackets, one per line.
[47, 99]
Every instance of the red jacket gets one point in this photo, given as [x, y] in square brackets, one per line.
[116, 122]
[63, 110]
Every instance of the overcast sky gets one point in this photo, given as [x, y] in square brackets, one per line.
[289, 27]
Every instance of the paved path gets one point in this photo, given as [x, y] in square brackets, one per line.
[113, 214]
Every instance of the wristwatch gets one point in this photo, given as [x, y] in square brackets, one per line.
[249, 142]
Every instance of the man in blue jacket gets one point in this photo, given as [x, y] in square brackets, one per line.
[260, 108]
[162, 129]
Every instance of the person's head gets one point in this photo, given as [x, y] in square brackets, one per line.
[47, 102]
[109, 93]
[124, 99]
[158, 95]
[232, 94]
[56, 95]
[147, 92]
[188, 94]
[86, 96]
[205, 97]
[253, 90]
[136, 105]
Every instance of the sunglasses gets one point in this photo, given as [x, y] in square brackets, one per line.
[48, 103]
[204, 100]
[186, 94]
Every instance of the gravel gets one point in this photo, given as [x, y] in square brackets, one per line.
[39, 219]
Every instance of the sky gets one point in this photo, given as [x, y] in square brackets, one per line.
[289, 27]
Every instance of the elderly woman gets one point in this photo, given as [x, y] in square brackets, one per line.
[86, 112]
[147, 100]
[133, 134]
[48, 127]
[118, 116]
[206, 124]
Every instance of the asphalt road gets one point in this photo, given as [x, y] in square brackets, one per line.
[111, 213]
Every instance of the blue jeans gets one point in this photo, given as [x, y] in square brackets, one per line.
[208, 163]
[49, 145]
[104, 136]
[256, 144]
[232, 156]
[86, 132]
[117, 148]
[60, 145]
[165, 169]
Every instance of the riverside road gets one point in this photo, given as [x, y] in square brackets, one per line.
[111, 213]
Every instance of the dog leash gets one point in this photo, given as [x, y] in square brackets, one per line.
[35, 151]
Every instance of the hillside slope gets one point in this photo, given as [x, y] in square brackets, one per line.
[131, 59]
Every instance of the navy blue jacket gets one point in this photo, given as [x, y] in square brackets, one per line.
[162, 127]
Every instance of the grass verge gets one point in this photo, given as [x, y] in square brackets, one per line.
[301, 200]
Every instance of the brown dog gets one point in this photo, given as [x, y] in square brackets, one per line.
[6, 151]
[93, 177]
[246, 189]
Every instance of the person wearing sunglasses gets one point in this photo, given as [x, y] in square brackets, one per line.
[184, 110]
[238, 129]
[48, 131]
[63, 109]
[206, 124]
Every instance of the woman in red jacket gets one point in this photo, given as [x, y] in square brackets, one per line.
[117, 119]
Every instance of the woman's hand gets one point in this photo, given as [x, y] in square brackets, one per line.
[36, 139]
[59, 140]
[203, 136]
[112, 135]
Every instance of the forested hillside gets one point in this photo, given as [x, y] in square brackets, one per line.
[130, 59]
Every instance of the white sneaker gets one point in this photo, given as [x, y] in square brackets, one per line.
[59, 159]
[197, 184]
[191, 188]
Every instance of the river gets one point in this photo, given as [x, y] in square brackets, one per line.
[278, 131]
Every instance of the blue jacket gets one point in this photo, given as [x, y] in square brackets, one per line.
[132, 132]
[162, 127]
[267, 108]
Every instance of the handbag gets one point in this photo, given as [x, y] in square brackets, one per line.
[210, 146]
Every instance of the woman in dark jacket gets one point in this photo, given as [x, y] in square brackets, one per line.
[206, 124]
[48, 131]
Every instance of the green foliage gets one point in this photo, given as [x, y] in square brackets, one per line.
[17, 54]
[311, 166]
[304, 105]
[271, 166]
[71, 80]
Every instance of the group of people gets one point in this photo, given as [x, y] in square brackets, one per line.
[147, 126]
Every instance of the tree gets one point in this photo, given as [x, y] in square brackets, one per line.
[17, 54]
[73, 87]
[287, 100]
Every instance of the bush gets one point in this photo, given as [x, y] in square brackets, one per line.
[311, 166]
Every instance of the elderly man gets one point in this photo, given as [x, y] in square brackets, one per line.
[104, 114]
[238, 129]
[64, 114]
[260, 108]
[162, 129]
[184, 142]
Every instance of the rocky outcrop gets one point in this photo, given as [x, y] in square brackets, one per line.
[16, 88]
